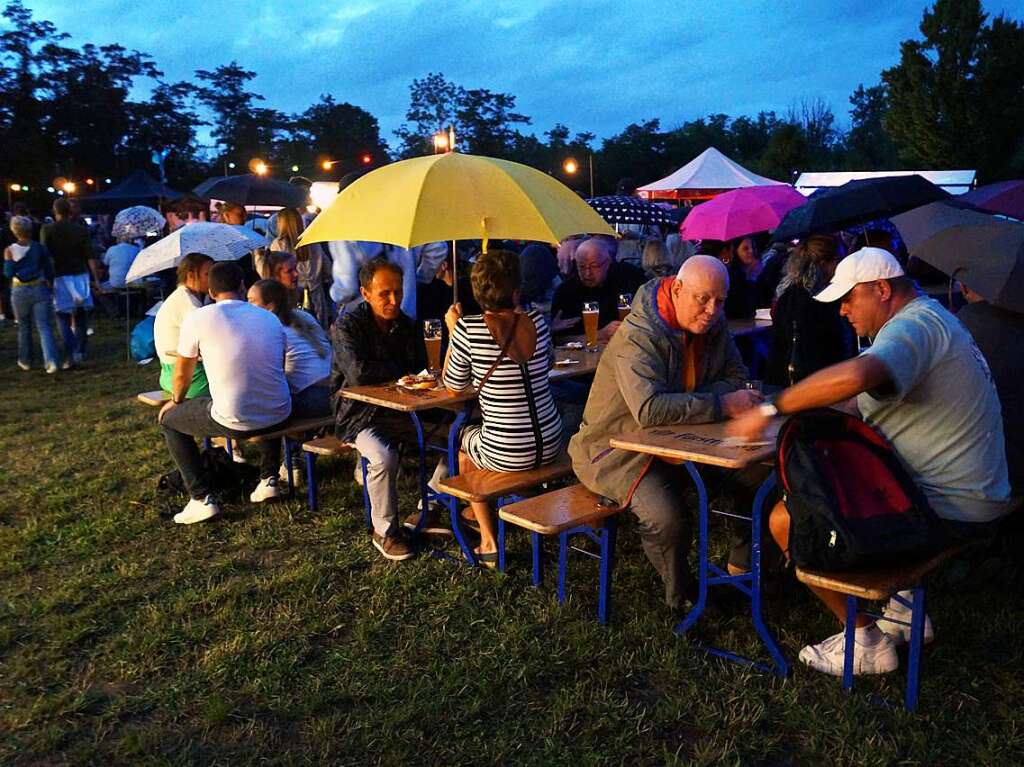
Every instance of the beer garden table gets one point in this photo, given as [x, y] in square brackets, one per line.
[413, 401]
[693, 444]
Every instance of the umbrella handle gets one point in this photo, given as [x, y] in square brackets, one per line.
[455, 274]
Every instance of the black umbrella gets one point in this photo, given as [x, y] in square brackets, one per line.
[855, 203]
[137, 189]
[620, 209]
[985, 251]
[250, 189]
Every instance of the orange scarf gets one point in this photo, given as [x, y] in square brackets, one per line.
[693, 346]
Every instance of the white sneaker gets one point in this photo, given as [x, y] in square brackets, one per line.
[197, 511]
[51, 368]
[66, 365]
[898, 633]
[23, 366]
[827, 657]
[282, 475]
[266, 490]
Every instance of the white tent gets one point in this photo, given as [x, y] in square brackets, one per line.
[708, 174]
[953, 181]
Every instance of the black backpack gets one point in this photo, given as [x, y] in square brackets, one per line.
[851, 502]
[226, 477]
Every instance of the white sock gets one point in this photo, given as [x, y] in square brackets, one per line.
[867, 636]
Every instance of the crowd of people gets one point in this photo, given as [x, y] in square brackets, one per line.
[245, 347]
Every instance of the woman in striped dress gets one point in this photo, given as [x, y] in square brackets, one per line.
[505, 354]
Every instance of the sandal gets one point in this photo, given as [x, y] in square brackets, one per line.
[488, 560]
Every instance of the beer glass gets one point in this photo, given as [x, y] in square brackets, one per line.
[432, 340]
[591, 311]
[625, 304]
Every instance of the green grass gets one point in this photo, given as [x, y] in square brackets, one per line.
[278, 636]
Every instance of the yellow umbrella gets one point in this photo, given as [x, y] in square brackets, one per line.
[455, 197]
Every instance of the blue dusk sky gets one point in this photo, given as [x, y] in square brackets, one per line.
[594, 65]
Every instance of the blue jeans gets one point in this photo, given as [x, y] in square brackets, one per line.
[33, 305]
[74, 338]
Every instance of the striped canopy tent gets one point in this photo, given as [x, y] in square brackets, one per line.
[707, 175]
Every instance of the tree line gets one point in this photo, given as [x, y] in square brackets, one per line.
[954, 100]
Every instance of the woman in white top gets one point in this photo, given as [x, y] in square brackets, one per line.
[191, 293]
[307, 350]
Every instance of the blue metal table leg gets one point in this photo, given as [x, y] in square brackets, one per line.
[848, 646]
[424, 490]
[563, 563]
[702, 566]
[453, 470]
[230, 446]
[781, 667]
[538, 561]
[288, 462]
[607, 541]
[501, 545]
[917, 616]
[311, 495]
[363, 465]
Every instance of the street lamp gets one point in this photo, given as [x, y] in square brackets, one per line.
[570, 166]
[366, 159]
[440, 142]
[70, 187]
[259, 167]
[295, 169]
[11, 188]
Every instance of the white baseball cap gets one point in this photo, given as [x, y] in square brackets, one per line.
[866, 265]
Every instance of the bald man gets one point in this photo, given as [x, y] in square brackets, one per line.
[672, 361]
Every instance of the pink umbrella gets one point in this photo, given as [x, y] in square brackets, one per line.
[740, 212]
[1006, 197]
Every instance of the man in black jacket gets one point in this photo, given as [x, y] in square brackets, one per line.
[376, 343]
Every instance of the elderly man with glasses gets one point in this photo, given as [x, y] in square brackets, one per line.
[672, 361]
[599, 277]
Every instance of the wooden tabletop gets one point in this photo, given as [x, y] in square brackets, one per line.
[395, 397]
[700, 443]
[748, 327]
[585, 362]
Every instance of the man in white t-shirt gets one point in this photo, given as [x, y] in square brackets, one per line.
[925, 386]
[243, 351]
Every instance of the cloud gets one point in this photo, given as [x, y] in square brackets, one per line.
[594, 65]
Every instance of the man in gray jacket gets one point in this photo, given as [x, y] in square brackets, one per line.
[672, 361]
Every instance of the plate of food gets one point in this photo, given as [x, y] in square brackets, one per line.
[417, 382]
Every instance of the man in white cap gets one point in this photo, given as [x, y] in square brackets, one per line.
[925, 386]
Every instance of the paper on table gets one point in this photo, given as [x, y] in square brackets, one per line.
[740, 442]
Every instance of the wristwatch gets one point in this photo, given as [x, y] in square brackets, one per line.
[768, 410]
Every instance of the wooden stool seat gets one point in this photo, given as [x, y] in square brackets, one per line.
[292, 428]
[329, 445]
[482, 485]
[153, 398]
[566, 512]
[877, 584]
[880, 583]
[557, 511]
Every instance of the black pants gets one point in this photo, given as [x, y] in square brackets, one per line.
[192, 419]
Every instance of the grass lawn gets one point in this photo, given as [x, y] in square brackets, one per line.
[278, 636]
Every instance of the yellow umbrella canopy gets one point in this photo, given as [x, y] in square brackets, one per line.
[455, 197]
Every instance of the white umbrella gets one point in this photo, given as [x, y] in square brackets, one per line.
[137, 221]
[221, 242]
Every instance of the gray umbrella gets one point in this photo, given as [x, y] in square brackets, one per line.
[983, 250]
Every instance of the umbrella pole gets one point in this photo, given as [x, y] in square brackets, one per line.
[455, 274]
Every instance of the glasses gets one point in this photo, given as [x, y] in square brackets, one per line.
[703, 299]
[590, 267]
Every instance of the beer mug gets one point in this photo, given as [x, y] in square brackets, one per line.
[591, 311]
[625, 304]
[432, 340]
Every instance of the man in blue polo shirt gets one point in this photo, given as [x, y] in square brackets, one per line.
[925, 386]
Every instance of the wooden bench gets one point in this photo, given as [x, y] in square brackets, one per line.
[330, 445]
[153, 398]
[875, 585]
[569, 511]
[484, 486]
